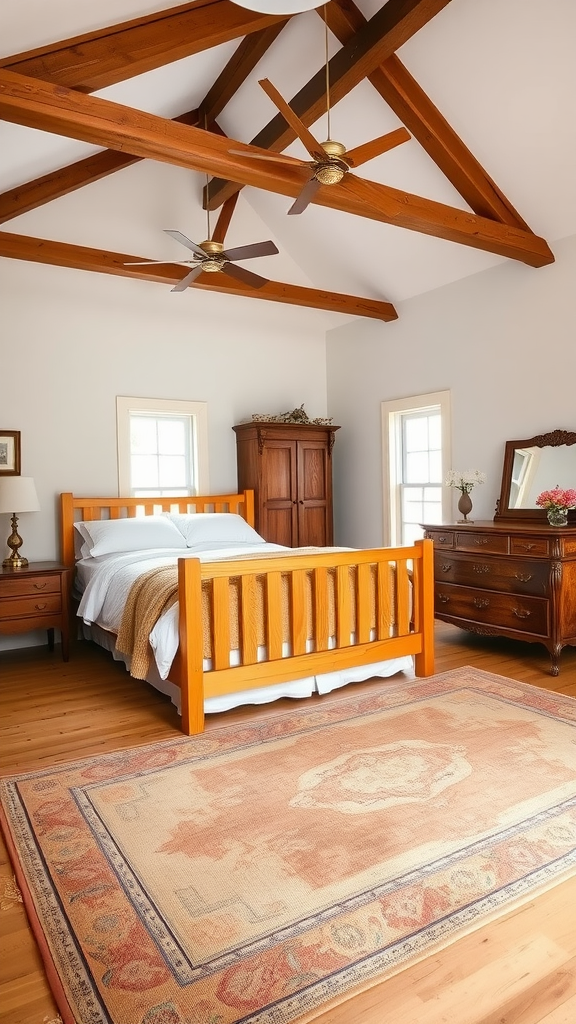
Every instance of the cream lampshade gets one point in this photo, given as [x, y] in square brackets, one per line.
[279, 6]
[17, 494]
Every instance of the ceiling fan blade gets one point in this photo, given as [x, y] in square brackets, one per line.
[183, 284]
[305, 197]
[185, 241]
[306, 137]
[247, 252]
[369, 150]
[278, 158]
[246, 276]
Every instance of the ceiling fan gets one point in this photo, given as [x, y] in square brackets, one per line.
[210, 256]
[330, 159]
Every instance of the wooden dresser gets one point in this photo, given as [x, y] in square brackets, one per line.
[289, 468]
[507, 579]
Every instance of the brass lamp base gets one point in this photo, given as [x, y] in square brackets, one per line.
[15, 561]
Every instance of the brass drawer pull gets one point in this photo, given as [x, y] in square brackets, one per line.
[523, 576]
[40, 607]
[445, 567]
[526, 545]
[443, 598]
[480, 540]
[39, 586]
[481, 568]
[521, 613]
[441, 540]
[481, 602]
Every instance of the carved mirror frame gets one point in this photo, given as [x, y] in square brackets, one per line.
[537, 515]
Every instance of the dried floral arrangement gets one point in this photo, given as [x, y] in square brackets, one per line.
[295, 416]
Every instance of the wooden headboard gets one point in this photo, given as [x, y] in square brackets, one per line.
[74, 509]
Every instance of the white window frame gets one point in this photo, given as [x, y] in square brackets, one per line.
[391, 456]
[125, 407]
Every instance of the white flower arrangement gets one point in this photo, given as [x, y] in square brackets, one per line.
[465, 481]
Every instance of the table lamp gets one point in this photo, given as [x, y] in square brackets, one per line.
[17, 494]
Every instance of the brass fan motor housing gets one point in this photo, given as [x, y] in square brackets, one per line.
[331, 172]
[215, 261]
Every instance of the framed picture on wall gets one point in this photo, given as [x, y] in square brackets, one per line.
[9, 453]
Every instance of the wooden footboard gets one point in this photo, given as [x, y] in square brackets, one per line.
[310, 609]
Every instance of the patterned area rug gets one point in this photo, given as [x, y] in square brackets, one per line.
[260, 871]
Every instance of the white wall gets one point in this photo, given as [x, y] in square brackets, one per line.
[503, 342]
[73, 341]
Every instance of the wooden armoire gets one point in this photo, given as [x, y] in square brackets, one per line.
[289, 467]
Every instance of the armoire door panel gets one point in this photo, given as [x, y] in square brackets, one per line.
[279, 472]
[313, 526]
[312, 472]
[279, 524]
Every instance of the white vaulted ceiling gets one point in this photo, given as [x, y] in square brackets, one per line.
[501, 72]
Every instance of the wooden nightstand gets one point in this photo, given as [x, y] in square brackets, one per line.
[36, 597]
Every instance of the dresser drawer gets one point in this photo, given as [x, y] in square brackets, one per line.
[509, 611]
[19, 586]
[512, 575]
[475, 540]
[31, 606]
[529, 546]
[440, 538]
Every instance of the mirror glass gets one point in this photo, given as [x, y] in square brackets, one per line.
[534, 465]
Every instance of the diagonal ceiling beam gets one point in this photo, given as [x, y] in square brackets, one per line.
[90, 119]
[375, 40]
[423, 119]
[110, 55]
[56, 184]
[61, 254]
[39, 191]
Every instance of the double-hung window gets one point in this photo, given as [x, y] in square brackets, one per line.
[162, 447]
[416, 447]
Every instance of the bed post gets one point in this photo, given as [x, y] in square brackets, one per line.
[191, 636]
[249, 507]
[67, 529]
[424, 662]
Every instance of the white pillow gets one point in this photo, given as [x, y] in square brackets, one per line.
[106, 536]
[214, 529]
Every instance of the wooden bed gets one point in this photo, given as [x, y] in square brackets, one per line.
[385, 612]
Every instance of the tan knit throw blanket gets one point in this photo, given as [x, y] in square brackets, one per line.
[156, 590]
[151, 594]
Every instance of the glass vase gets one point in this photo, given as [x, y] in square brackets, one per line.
[557, 516]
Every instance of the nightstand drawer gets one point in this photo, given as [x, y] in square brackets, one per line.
[31, 606]
[511, 611]
[19, 586]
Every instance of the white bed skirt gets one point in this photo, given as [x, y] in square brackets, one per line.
[297, 688]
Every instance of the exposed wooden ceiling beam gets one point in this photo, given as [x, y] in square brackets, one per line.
[91, 119]
[423, 119]
[110, 55]
[56, 184]
[77, 257]
[241, 64]
[39, 191]
[377, 39]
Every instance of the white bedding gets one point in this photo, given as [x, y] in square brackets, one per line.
[105, 582]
